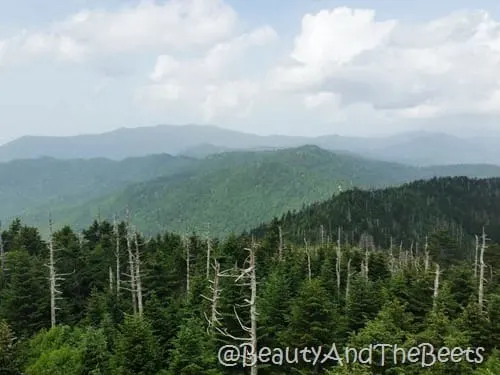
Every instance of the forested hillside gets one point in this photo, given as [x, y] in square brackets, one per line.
[120, 302]
[237, 191]
[28, 185]
[406, 213]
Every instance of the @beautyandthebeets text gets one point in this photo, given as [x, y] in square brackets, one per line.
[376, 354]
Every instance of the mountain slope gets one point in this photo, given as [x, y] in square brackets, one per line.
[47, 182]
[411, 211]
[237, 191]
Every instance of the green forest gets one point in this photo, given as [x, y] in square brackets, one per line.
[411, 265]
[233, 191]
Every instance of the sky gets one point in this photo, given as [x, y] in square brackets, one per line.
[298, 67]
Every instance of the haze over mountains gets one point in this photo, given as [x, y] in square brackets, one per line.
[418, 148]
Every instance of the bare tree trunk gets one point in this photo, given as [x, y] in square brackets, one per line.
[280, 246]
[482, 267]
[253, 307]
[367, 259]
[322, 235]
[188, 266]
[248, 274]
[476, 257]
[110, 279]
[391, 256]
[117, 257]
[339, 261]
[214, 321]
[209, 252]
[308, 253]
[436, 286]
[348, 281]
[132, 272]
[138, 275]
[426, 255]
[53, 277]
[401, 256]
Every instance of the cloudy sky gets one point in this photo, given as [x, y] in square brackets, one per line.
[305, 67]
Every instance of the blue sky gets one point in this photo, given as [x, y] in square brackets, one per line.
[369, 67]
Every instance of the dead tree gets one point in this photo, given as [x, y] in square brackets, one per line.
[248, 277]
[339, 260]
[426, 255]
[476, 257]
[367, 260]
[54, 278]
[215, 315]
[436, 286]
[401, 256]
[308, 253]
[117, 256]
[188, 264]
[132, 273]
[322, 235]
[280, 245]
[111, 288]
[348, 281]
[80, 239]
[209, 252]
[138, 282]
[482, 267]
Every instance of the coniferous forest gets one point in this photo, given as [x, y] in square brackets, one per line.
[410, 266]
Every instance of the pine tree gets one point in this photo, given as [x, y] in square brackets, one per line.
[9, 353]
[137, 348]
[194, 351]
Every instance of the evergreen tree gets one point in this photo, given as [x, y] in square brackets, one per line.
[136, 348]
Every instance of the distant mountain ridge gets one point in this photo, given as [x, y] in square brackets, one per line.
[201, 140]
[239, 190]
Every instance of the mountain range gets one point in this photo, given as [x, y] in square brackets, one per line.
[417, 148]
[230, 191]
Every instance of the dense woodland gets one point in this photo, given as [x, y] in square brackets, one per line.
[409, 265]
[233, 191]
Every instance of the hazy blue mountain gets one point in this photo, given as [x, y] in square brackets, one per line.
[128, 142]
[417, 148]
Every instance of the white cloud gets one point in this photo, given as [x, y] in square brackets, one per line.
[346, 66]
[329, 40]
[234, 98]
[215, 61]
[339, 35]
[312, 101]
[175, 24]
[448, 66]
[207, 81]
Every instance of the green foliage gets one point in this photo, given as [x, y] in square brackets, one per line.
[233, 191]
[194, 351]
[393, 303]
[136, 348]
[31, 187]
[61, 361]
[9, 354]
